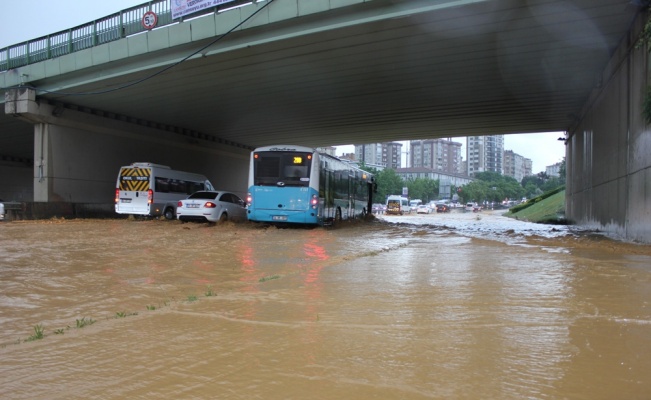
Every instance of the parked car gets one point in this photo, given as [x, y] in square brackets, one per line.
[440, 208]
[423, 209]
[470, 207]
[378, 208]
[2, 210]
[211, 206]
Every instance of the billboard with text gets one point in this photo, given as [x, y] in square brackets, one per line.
[181, 8]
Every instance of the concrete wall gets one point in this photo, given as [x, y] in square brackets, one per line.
[77, 154]
[82, 166]
[609, 152]
[16, 182]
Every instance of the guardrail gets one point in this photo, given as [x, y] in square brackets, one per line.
[112, 27]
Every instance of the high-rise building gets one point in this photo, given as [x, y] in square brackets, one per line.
[385, 155]
[436, 155]
[553, 170]
[516, 166]
[485, 153]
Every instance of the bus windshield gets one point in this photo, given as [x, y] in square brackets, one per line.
[281, 168]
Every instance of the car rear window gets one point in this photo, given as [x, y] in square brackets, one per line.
[204, 195]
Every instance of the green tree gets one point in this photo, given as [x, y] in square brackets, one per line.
[562, 170]
[491, 187]
[388, 183]
[423, 188]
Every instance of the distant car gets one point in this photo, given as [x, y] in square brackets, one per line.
[470, 207]
[423, 209]
[440, 208]
[2, 210]
[211, 206]
[378, 208]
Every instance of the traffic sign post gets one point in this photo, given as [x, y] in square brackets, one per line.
[149, 20]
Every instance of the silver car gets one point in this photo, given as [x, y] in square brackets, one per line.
[2, 210]
[211, 206]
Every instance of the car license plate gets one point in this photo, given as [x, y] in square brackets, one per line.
[279, 218]
[193, 205]
[125, 200]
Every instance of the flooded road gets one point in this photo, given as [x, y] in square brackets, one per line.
[452, 306]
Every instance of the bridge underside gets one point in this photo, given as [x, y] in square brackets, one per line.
[375, 71]
[360, 72]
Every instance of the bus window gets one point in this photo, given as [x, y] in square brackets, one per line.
[162, 185]
[292, 169]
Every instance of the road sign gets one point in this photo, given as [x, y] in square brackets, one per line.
[149, 20]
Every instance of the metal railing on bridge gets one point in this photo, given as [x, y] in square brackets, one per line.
[112, 27]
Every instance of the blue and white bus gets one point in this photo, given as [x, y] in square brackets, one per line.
[299, 185]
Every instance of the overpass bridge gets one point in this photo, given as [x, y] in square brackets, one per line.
[200, 93]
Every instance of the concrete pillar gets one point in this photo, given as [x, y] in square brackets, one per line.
[609, 152]
[42, 163]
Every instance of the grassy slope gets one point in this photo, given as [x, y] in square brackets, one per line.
[550, 210]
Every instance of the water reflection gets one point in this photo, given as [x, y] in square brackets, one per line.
[419, 307]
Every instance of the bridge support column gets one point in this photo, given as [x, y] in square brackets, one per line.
[42, 164]
[609, 152]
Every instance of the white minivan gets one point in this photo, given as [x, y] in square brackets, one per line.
[397, 205]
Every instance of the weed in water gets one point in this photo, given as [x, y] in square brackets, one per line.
[38, 333]
[84, 322]
[59, 332]
[192, 298]
[151, 307]
[122, 314]
[268, 278]
[210, 292]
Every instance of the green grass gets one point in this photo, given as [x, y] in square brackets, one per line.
[546, 210]
[84, 322]
[38, 333]
[268, 278]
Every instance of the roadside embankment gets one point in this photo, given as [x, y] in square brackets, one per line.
[544, 210]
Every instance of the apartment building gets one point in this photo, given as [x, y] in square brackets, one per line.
[436, 155]
[387, 154]
[516, 166]
[485, 153]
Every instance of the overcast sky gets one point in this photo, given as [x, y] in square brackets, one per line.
[24, 20]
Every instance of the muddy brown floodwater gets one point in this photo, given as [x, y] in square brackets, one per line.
[452, 306]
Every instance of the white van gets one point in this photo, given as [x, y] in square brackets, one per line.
[397, 205]
[152, 190]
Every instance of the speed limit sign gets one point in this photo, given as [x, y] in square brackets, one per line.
[149, 20]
